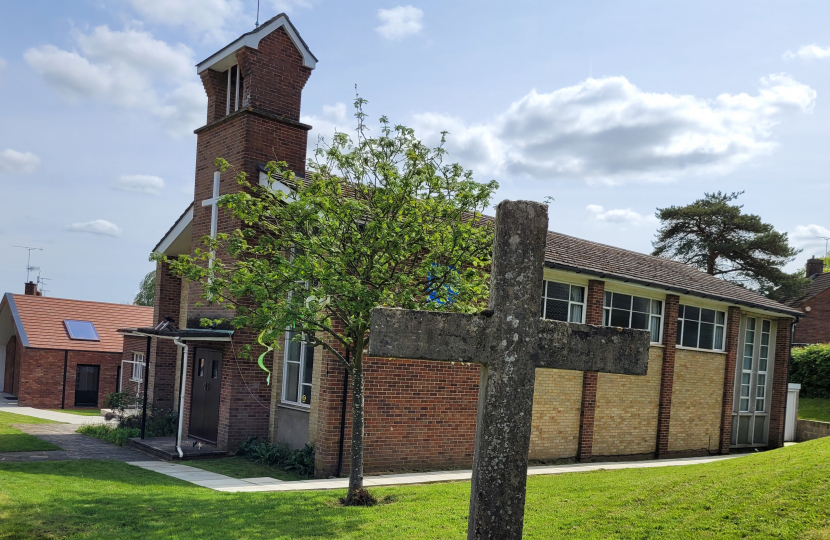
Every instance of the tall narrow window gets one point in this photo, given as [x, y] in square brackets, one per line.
[298, 369]
[701, 328]
[628, 311]
[563, 302]
[138, 367]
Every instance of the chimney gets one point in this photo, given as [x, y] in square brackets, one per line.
[814, 266]
[31, 289]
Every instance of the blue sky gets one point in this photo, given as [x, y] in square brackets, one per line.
[614, 109]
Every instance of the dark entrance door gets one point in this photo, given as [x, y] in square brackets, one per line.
[204, 401]
[86, 386]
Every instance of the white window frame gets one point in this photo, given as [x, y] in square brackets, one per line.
[606, 311]
[137, 374]
[752, 350]
[584, 302]
[723, 326]
[304, 347]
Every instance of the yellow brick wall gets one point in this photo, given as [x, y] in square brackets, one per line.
[696, 400]
[626, 416]
[556, 406]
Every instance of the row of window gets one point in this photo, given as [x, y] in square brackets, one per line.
[697, 328]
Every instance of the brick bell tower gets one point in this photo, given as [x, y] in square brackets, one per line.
[254, 87]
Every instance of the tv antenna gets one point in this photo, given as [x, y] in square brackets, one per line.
[826, 240]
[29, 267]
[41, 281]
[256, 24]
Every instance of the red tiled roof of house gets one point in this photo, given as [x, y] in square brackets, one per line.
[42, 320]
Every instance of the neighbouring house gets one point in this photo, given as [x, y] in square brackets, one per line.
[717, 377]
[814, 304]
[61, 353]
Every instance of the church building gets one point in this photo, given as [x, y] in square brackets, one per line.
[717, 376]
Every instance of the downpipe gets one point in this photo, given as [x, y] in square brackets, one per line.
[182, 346]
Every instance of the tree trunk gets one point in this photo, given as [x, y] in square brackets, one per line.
[356, 471]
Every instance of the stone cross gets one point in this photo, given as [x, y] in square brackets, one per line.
[509, 340]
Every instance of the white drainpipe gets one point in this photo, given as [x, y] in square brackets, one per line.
[181, 396]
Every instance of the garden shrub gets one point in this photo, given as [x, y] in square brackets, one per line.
[811, 368]
[116, 435]
[160, 423]
[261, 450]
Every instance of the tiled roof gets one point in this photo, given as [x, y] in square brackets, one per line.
[569, 253]
[819, 284]
[42, 320]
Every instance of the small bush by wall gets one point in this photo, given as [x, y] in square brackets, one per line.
[260, 450]
[811, 369]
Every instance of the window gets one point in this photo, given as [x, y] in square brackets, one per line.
[701, 328]
[563, 302]
[81, 330]
[299, 364]
[138, 367]
[628, 311]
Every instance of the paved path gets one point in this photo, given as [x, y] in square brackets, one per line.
[77, 419]
[75, 446]
[221, 482]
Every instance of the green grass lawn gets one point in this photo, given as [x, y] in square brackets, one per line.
[239, 467]
[779, 494]
[14, 440]
[814, 409]
[80, 412]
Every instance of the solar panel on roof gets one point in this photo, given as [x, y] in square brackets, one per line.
[83, 330]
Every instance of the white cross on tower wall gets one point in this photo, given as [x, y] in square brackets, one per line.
[213, 202]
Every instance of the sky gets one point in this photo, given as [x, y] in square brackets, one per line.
[614, 109]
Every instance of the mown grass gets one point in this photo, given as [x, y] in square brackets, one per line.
[779, 494]
[79, 412]
[814, 409]
[14, 440]
[239, 467]
[115, 435]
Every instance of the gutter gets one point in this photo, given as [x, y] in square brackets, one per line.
[689, 292]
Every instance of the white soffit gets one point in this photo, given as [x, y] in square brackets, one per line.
[226, 57]
[178, 238]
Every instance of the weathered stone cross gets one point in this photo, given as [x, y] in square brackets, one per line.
[510, 341]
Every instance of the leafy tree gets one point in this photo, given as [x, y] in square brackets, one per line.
[715, 236]
[146, 290]
[379, 222]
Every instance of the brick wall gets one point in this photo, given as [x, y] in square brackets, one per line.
[814, 326]
[667, 375]
[696, 403]
[778, 400]
[132, 344]
[41, 376]
[626, 413]
[557, 400]
[733, 324]
[807, 430]
[593, 315]
[164, 353]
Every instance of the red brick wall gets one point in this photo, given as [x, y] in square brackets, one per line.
[163, 355]
[733, 324]
[41, 376]
[667, 373]
[778, 400]
[593, 315]
[132, 344]
[814, 326]
[418, 415]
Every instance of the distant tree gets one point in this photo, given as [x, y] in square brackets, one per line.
[379, 221]
[146, 290]
[715, 236]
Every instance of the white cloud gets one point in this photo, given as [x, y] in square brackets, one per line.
[14, 162]
[129, 69]
[139, 183]
[810, 237]
[333, 118]
[400, 22]
[620, 216]
[809, 52]
[611, 131]
[207, 17]
[98, 226]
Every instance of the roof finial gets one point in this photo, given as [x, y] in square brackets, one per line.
[256, 24]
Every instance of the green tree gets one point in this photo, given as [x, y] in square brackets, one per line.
[379, 222]
[146, 290]
[715, 236]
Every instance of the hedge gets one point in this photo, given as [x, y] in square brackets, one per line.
[811, 368]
